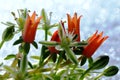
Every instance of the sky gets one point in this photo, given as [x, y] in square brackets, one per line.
[101, 15]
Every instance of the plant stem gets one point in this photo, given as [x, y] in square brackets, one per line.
[84, 74]
[23, 65]
[100, 75]
[46, 32]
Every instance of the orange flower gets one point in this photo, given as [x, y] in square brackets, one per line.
[30, 28]
[94, 43]
[74, 25]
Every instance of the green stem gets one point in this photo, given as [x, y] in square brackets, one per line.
[23, 65]
[84, 74]
[100, 75]
[46, 32]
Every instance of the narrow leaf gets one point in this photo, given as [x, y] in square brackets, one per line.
[90, 61]
[29, 63]
[26, 48]
[35, 57]
[35, 45]
[100, 62]
[70, 54]
[83, 61]
[111, 71]
[1, 43]
[10, 56]
[44, 54]
[49, 43]
[54, 57]
[18, 41]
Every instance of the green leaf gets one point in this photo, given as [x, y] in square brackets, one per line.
[30, 64]
[19, 61]
[100, 62]
[35, 57]
[21, 49]
[78, 50]
[1, 43]
[80, 70]
[44, 54]
[70, 54]
[83, 60]
[26, 48]
[10, 56]
[90, 61]
[60, 72]
[62, 54]
[54, 57]
[49, 43]
[10, 69]
[54, 25]
[111, 71]
[18, 41]
[35, 45]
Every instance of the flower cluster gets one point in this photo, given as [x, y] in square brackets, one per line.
[61, 58]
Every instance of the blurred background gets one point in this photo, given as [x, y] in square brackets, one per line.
[99, 15]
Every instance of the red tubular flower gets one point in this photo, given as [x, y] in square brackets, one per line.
[73, 27]
[55, 37]
[94, 43]
[30, 28]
